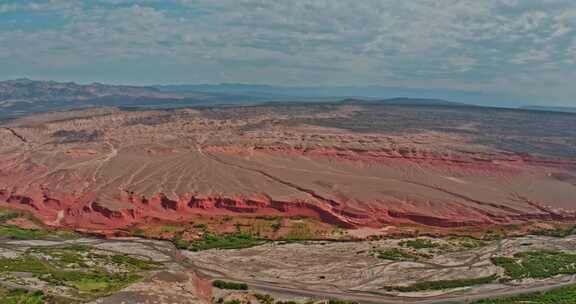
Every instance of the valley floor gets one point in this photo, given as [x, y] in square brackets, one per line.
[417, 270]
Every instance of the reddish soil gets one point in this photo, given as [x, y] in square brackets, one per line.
[118, 169]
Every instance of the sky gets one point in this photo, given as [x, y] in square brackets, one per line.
[523, 48]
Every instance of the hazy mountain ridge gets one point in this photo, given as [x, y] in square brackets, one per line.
[31, 90]
[23, 96]
[551, 108]
[341, 92]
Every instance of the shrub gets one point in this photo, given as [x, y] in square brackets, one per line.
[419, 244]
[398, 255]
[443, 284]
[228, 241]
[181, 243]
[264, 298]
[229, 285]
[537, 264]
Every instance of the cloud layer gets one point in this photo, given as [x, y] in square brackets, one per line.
[520, 47]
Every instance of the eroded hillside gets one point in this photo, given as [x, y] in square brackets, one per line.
[351, 165]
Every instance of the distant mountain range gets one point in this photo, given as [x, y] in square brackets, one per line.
[30, 90]
[22, 96]
[342, 92]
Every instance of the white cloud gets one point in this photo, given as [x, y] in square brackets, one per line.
[531, 55]
[303, 41]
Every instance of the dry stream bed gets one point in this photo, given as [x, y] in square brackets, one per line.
[67, 268]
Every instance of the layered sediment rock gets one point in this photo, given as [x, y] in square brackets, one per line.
[107, 169]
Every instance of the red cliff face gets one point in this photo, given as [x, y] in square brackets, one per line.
[85, 211]
[93, 215]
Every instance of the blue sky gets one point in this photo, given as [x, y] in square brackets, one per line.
[524, 48]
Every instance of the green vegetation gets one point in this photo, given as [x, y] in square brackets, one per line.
[134, 263]
[419, 244]
[276, 226]
[536, 264]
[180, 243]
[264, 298]
[138, 232]
[80, 280]
[228, 241]
[7, 215]
[398, 255]
[467, 242]
[566, 295]
[24, 263]
[76, 256]
[558, 232]
[229, 285]
[92, 282]
[88, 277]
[444, 284]
[16, 233]
[336, 301]
[201, 226]
[66, 256]
[22, 296]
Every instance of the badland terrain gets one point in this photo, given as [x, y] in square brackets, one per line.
[273, 175]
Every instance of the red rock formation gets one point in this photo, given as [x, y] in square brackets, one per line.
[109, 170]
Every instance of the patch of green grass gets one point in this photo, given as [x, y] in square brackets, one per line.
[92, 282]
[227, 241]
[15, 233]
[23, 263]
[22, 296]
[558, 232]
[443, 284]
[395, 254]
[468, 242]
[181, 243]
[536, 264]
[566, 295]
[229, 285]
[419, 244]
